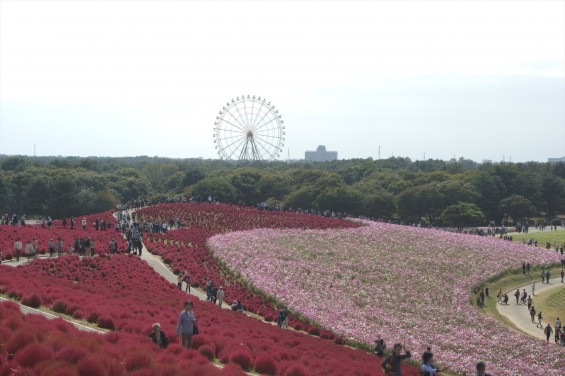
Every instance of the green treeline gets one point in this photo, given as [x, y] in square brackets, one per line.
[457, 192]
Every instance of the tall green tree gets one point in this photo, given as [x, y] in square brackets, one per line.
[462, 214]
[516, 206]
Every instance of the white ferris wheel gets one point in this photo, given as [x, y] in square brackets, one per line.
[249, 128]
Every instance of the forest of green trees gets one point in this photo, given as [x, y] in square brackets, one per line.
[454, 193]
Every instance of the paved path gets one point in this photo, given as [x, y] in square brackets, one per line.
[518, 313]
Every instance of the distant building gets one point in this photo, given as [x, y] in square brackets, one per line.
[556, 160]
[320, 155]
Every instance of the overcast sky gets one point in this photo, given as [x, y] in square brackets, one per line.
[474, 79]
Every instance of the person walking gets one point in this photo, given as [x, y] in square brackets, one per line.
[539, 325]
[186, 324]
[562, 275]
[542, 275]
[534, 288]
[486, 289]
[533, 314]
[517, 295]
[530, 301]
[547, 275]
[499, 296]
[391, 364]
[548, 331]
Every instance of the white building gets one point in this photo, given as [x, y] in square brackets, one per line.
[556, 160]
[320, 155]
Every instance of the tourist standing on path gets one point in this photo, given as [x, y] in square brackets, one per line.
[391, 364]
[18, 248]
[534, 288]
[481, 369]
[185, 325]
[221, 296]
[517, 295]
[542, 275]
[548, 331]
[547, 276]
[187, 281]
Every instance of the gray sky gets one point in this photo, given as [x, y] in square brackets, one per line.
[478, 79]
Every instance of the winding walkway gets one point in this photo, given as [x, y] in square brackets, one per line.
[519, 315]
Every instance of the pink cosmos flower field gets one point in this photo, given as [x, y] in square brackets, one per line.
[407, 284]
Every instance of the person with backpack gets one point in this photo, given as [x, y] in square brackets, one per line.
[391, 364]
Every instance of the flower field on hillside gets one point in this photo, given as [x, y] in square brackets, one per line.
[185, 249]
[409, 285]
[122, 293]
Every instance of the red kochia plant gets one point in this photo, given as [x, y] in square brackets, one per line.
[32, 301]
[91, 366]
[59, 306]
[265, 364]
[106, 323]
[243, 358]
[137, 361]
[19, 340]
[33, 354]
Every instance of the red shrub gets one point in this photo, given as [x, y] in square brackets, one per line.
[296, 370]
[71, 354]
[32, 301]
[232, 369]
[57, 368]
[207, 351]
[32, 354]
[106, 323]
[91, 366]
[59, 306]
[137, 361]
[339, 341]
[314, 331]
[19, 340]
[264, 364]
[242, 357]
[78, 314]
[93, 317]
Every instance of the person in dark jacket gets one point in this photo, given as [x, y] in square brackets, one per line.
[380, 347]
[158, 336]
[391, 364]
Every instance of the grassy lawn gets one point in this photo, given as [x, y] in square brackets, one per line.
[510, 280]
[542, 237]
[552, 304]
